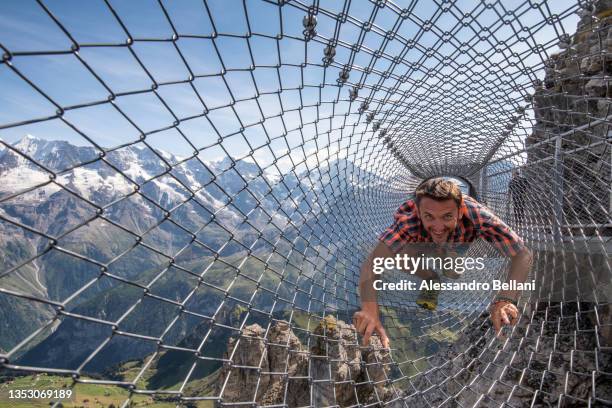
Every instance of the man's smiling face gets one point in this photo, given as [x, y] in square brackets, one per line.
[439, 218]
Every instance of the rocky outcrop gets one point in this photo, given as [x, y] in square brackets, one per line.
[575, 94]
[339, 365]
[249, 353]
[334, 371]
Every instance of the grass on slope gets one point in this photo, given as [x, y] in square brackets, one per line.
[92, 395]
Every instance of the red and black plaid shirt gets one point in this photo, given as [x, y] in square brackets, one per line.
[477, 222]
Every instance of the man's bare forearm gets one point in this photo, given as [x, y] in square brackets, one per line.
[367, 277]
[519, 271]
[367, 320]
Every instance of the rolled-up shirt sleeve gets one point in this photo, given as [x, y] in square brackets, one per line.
[492, 229]
[405, 223]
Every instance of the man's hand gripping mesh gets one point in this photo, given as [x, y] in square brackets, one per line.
[367, 322]
[503, 313]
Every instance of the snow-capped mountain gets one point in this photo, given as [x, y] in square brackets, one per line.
[57, 189]
[135, 185]
[80, 170]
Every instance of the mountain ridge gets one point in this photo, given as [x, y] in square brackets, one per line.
[90, 208]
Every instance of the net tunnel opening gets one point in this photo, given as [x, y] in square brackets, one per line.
[189, 190]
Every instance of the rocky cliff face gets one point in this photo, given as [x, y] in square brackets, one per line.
[574, 101]
[543, 361]
[276, 368]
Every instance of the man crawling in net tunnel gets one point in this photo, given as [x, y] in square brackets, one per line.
[442, 221]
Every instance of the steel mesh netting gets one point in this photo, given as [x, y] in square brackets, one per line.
[196, 237]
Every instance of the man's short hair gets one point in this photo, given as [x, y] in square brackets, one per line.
[439, 189]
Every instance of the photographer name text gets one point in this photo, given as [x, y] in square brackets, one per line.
[453, 286]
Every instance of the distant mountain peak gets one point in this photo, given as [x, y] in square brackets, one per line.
[28, 137]
[26, 141]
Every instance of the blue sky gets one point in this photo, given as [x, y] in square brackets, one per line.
[24, 26]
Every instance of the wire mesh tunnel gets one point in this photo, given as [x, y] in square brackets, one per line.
[189, 189]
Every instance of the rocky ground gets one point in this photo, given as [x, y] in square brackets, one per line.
[550, 359]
